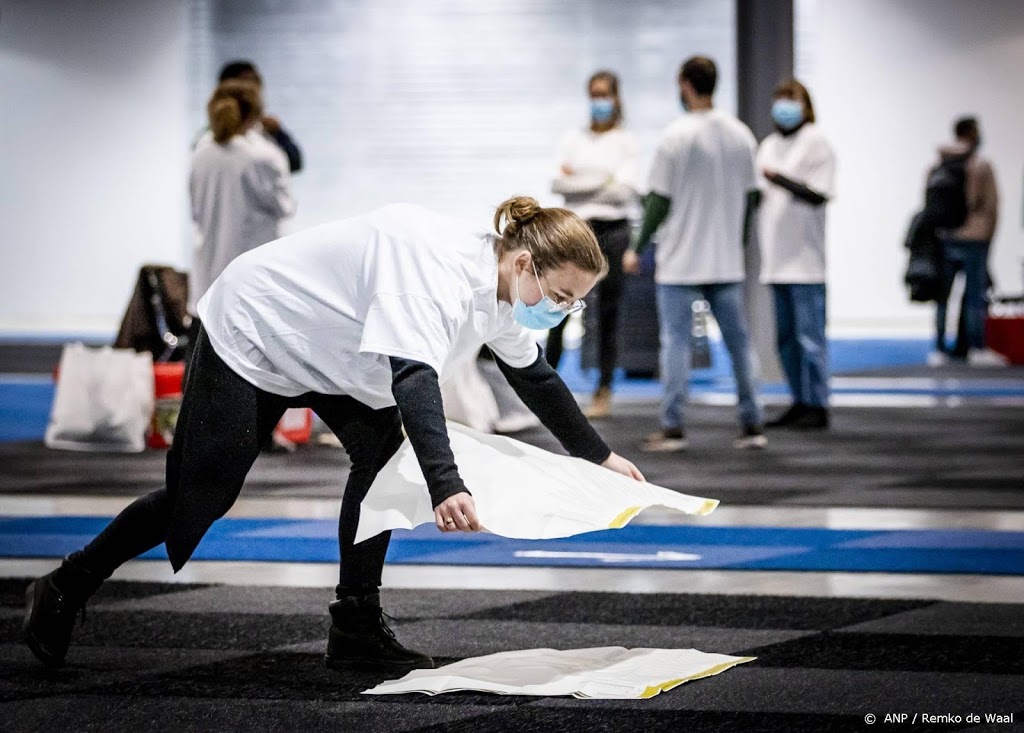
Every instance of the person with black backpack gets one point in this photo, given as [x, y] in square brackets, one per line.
[961, 206]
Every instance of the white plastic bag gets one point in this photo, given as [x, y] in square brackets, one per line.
[104, 400]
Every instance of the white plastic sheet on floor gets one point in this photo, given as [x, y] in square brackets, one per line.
[520, 491]
[611, 673]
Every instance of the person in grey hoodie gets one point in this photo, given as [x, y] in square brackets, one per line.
[966, 247]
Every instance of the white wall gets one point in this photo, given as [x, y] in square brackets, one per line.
[888, 78]
[100, 101]
[93, 156]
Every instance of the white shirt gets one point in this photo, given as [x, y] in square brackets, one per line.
[240, 193]
[705, 164]
[603, 184]
[791, 231]
[322, 309]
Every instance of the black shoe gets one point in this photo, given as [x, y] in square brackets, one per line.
[813, 418]
[790, 416]
[361, 639]
[50, 611]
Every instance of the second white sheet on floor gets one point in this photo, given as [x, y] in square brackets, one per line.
[520, 491]
[609, 673]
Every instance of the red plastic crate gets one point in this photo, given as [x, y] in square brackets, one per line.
[167, 378]
[296, 425]
[1005, 334]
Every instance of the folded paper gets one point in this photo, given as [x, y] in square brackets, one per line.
[611, 673]
[520, 491]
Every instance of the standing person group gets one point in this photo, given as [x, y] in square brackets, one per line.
[704, 198]
[597, 176]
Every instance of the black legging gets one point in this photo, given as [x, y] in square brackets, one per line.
[223, 424]
[613, 236]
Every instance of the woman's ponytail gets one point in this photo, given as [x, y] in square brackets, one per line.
[234, 105]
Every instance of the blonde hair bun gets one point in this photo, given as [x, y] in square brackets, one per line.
[516, 211]
[552, 236]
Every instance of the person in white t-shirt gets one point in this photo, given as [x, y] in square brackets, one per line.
[701, 199]
[797, 177]
[597, 177]
[360, 320]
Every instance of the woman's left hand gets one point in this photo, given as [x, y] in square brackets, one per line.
[617, 463]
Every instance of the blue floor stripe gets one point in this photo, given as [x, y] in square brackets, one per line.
[639, 546]
[24, 409]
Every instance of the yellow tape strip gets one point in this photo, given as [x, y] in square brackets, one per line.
[666, 686]
[620, 521]
[707, 507]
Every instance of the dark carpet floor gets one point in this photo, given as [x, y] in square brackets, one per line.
[956, 369]
[176, 658]
[968, 456]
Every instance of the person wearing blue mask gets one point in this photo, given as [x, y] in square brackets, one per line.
[797, 172]
[597, 177]
[360, 320]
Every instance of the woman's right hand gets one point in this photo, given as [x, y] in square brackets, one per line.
[617, 463]
[457, 513]
[630, 262]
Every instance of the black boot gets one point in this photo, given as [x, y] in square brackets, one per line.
[52, 604]
[813, 418]
[361, 639]
[794, 413]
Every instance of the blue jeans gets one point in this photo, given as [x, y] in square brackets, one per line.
[803, 349]
[675, 316]
[971, 256]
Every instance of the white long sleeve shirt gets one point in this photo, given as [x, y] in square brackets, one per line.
[603, 184]
[791, 231]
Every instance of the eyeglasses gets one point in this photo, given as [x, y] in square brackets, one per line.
[560, 306]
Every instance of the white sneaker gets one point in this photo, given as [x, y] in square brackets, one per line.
[516, 423]
[665, 441]
[986, 358]
[751, 437]
[938, 358]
